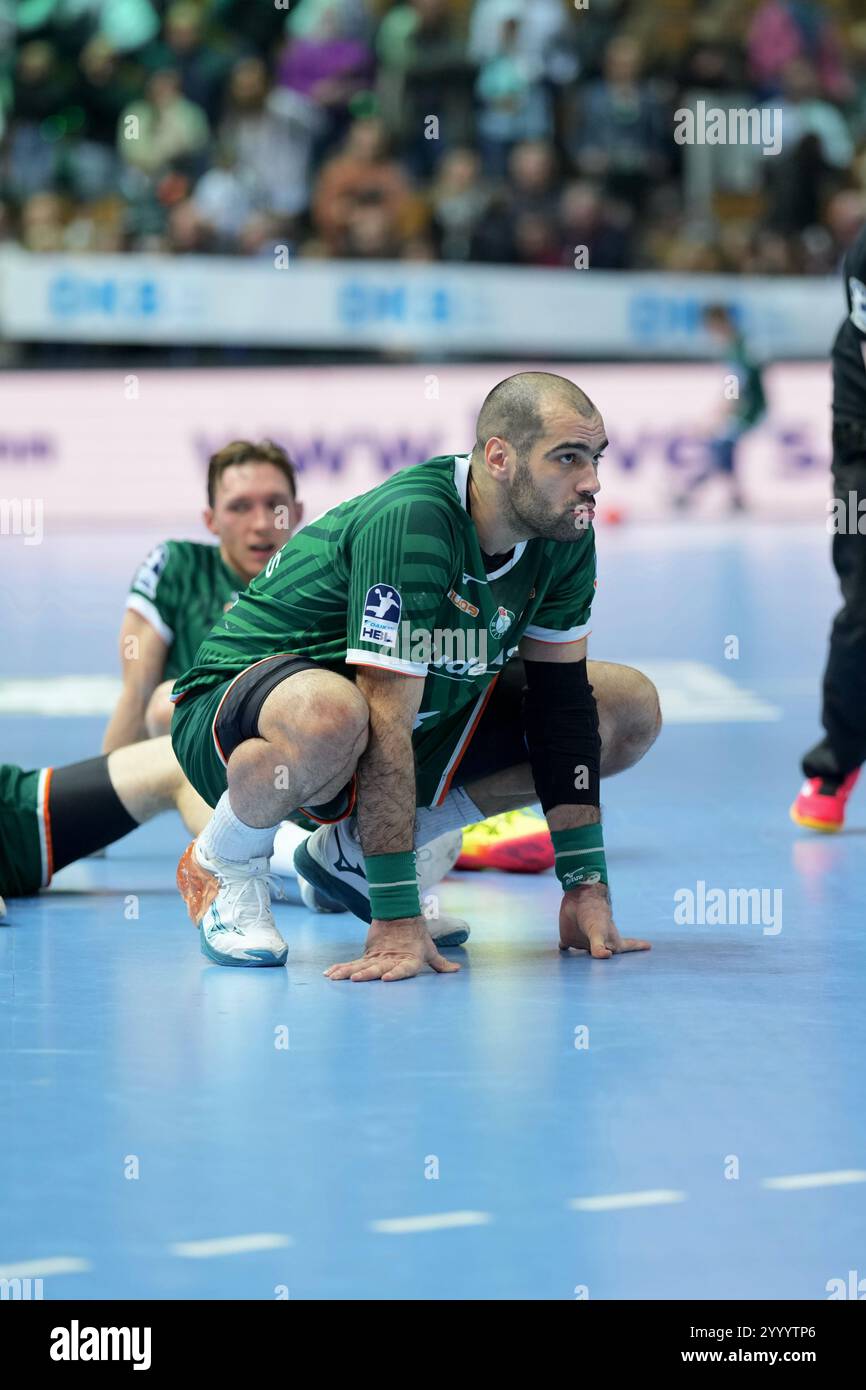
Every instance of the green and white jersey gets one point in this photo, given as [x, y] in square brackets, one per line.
[395, 578]
[182, 589]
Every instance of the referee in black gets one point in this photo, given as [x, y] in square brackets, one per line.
[833, 765]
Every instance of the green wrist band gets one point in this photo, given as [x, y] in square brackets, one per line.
[579, 856]
[393, 885]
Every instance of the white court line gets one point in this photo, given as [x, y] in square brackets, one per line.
[228, 1245]
[38, 1269]
[617, 1201]
[799, 1180]
[441, 1221]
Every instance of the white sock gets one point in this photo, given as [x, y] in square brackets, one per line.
[457, 810]
[228, 838]
[288, 837]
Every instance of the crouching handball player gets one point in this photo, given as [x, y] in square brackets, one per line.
[324, 689]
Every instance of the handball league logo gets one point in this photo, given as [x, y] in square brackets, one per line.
[382, 608]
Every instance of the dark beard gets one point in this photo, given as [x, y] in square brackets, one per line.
[532, 515]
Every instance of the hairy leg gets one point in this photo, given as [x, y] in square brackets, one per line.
[313, 729]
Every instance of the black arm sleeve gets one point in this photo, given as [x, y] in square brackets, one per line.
[560, 720]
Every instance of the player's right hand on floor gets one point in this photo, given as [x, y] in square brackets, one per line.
[395, 951]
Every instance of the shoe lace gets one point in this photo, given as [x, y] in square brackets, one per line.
[247, 898]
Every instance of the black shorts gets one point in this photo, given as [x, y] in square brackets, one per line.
[497, 743]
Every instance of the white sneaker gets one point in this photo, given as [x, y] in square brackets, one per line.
[331, 862]
[2, 908]
[231, 905]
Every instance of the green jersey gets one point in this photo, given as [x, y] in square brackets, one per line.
[181, 589]
[395, 579]
[751, 404]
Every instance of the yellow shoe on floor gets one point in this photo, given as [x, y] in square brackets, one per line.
[517, 841]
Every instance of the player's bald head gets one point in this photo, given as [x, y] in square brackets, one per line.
[519, 408]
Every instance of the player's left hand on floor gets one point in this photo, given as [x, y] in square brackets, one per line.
[586, 924]
[394, 951]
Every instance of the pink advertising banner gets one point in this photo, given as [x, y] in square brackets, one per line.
[131, 448]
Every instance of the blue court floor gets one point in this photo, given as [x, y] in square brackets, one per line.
[679, 1124]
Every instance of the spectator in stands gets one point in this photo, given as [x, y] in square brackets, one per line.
[223, 199]
[268, 132]
[260, 235]
[460, 200]
[361, 174]
[425, 74]
[533, 179]
[587, 219]
[189, 233]
[203, 66]
[713, 74]
[327, 65]
[623, 136]
[548, 34]
[43, 219]
[163, 129]
[107, 84]
[857, 54]
[521, 222]
[514, 103]
[784, 30]
[817, 150]
[44, 87]
[126, 25]
[536, 240]
[256, 28]
[636, 200]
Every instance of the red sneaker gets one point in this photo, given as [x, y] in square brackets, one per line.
[820, 804]
[517, 841]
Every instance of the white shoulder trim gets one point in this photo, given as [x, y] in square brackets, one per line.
[143, 606]
[552, 634]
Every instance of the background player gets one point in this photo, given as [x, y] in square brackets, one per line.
[52, 816]
[183, 586]
[833, 765]
[745, 410]
[269, 714]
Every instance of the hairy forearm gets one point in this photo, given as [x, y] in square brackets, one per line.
[572, 817]
[386, 788]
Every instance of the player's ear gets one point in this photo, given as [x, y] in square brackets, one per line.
[208, 519]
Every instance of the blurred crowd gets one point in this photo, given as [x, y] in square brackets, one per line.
[497, 131]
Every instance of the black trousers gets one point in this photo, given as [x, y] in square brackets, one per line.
[844, 704]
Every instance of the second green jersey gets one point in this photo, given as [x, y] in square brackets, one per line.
[395, 579]
[181, 589]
